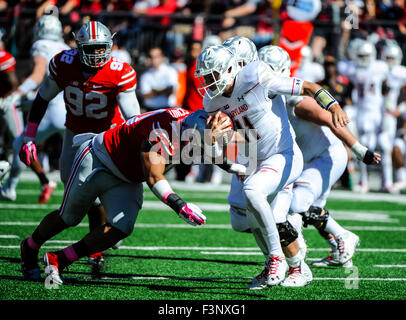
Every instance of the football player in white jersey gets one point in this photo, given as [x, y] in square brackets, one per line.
[396, 79]
[367, 75]
[244, 94]
[48, 42]
[324, 163]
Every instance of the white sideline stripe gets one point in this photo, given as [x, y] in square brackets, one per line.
[208, 226]
[390, 265]
[8, 236]
[205, 250]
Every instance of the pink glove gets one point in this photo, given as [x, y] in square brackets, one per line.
[26, 150]
[192, 214]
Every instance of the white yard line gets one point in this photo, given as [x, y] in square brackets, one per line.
[8, 236]
[208, 226]
[390, 266]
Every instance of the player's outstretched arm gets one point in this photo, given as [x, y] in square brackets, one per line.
[47, 91]
[326, 101]
[154, 168]
[308, 110]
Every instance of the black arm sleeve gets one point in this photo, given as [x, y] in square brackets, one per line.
[38, 109]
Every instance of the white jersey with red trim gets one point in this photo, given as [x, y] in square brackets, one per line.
[47, 49]
[257, 107]
[311, 138]
[367, 82]
[395, 81]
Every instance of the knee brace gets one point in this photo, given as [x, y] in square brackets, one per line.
[313, 217]
[287, 233]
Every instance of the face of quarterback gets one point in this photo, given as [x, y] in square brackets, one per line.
[210, 80]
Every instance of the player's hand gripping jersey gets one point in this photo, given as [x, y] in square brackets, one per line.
[120, 148]
[91, 101]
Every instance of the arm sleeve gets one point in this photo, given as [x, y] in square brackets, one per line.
[276, 84]
[128, 104]
[48, 89]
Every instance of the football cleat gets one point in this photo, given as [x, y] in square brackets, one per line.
[4, 168]
[399, 186]
[346, 245]
[299, 276]
[46, 191]
[273, 274]
[96, 259]
[29, 262]
[360, 188]
[50, 261]
[7, 194]
[332, 261]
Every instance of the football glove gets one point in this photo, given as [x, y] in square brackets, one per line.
[192, 214]
[28, 149]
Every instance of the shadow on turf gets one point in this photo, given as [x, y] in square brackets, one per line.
[248, 263]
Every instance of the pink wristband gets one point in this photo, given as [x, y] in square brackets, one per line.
[31, 130]
[166, 195]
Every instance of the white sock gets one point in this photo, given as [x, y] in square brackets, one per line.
[401, 174]
[334, 228]
[294, 261]
[332, 243]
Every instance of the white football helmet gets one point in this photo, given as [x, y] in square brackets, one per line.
[48, 27]
[352, 48]
[211, 40]
[277, 58]
[243, 48]
[392, 54]
[94, 34]
[366, 54]
[216, 67]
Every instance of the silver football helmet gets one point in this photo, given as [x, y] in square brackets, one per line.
[352, 48]
[216, 68]
[243, 48]
[392, 54]
[94, 35]
[366, 54]
[277, 58]
[48, 27]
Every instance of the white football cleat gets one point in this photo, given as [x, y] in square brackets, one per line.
[7, 194]
[399, 186]
[346, 245]
[299, 276]
[4, 168]
[50, 261]
[273, 274]
[332, 261]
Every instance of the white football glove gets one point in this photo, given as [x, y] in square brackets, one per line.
[192, 214]
[238, 169]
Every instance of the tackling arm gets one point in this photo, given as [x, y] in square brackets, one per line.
[308, 110]
[154, 168]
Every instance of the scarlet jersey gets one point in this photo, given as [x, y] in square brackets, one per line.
[91, 100]
[161, 128]
[7, 64]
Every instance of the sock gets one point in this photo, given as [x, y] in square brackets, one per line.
[401, 174]
[332, 243]
[333, 227]
[42, 178]
[32, 244]
[36, 240]
[294, 262]
[70, 254]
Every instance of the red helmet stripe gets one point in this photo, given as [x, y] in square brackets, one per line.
[93, 30]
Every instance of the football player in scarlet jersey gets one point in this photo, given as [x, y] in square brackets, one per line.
[112, 166]
[98, 90]
[10, 117]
